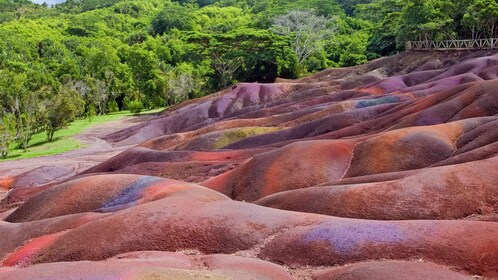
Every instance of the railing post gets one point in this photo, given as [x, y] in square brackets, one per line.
[408, 45]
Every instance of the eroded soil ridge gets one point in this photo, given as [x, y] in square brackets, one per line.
[387, 170]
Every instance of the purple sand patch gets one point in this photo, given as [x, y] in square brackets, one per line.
[128, 196]
[345, 238]
[392, 84]
[89, 275]
[429, 118]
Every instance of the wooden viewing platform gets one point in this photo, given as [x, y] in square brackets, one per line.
[453, 45]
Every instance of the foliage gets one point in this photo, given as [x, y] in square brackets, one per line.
[481, 18]
[90, 114]
[306, 31]
[135, 107]
[112, 107]
[183, 82]
[6, 135]
[425, 20]
[62, 110]
[172, 17]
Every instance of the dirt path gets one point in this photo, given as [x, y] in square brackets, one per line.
[60, 167]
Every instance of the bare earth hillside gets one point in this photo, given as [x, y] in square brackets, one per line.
[387, 170]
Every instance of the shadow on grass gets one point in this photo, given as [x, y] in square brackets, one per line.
[9, 157]
[41, 143]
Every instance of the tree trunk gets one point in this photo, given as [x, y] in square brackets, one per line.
[51, 133]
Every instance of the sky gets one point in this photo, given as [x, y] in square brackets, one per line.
[49, 2]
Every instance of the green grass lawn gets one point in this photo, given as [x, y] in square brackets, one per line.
[64, 140]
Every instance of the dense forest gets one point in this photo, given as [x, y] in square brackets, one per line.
[88, 57]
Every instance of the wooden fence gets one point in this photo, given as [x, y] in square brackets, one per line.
[453, 45]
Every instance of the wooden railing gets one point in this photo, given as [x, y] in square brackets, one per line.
[452, 45]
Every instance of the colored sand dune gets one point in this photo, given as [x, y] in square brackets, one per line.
[387, 170]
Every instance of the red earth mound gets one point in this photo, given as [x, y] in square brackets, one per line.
[387, 170]
[154, 265]
[392, 270]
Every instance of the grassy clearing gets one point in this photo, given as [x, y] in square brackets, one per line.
[64, 140]
[234, 135]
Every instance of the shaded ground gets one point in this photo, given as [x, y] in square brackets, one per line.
[382, 171]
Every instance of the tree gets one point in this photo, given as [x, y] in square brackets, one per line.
[174, 16]
[19, 102]
[481, 18]
[111, 51]
[6, 134]
[350, 6]
[248, 55]
[268, 10]
[143, 64]
[62, 110]
[425, 20]
[5, 139]
[226, 67]
[306, 29]
[384, 17]
[182, 83]
[222, 19]
[266, 56]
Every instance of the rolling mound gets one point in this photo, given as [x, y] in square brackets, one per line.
[387, 170]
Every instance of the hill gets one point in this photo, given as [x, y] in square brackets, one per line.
[381, 171]
[93, 57]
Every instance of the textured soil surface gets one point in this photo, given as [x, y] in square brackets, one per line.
[387, 170]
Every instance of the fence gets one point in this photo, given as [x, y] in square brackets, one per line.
[452, 45]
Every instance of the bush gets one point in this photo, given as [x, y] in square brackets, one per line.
[135, 107]
[112, 107]
[126, 102]
[91, 113]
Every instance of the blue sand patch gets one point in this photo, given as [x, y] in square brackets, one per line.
[128, 196]
[346, 238]
[378, 101]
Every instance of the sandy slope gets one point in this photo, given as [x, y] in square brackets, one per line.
[382, 171]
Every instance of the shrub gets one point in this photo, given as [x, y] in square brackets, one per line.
[112, 107]
[126, 102]
[91, 113]
[135, 107]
